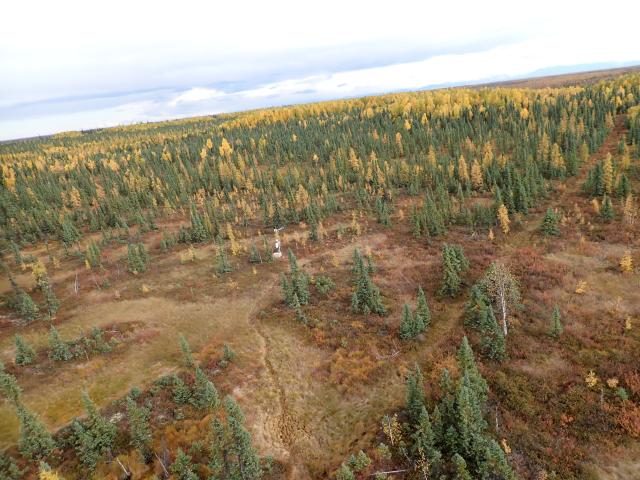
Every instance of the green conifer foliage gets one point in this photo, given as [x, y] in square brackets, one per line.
[140, 429]
[556, 324]
[198, 233]
[366, 297]
[454, 264]
[492, 338]
[187, 355]
[415, 394]
[181, 392]
[58, 349]
[205, 396]
[423, 313]
[467, 364]
[454, 440]
[345, 473]
[550, 223]
[244, 461]
[94, 436]
[222, 259]
[34, 442]
[93, 254]
[606, 212]
[423, 439]
[26, 307]
[407, 325]
[254, 255]
[137, 258]
[9, 386]
[25, 354]
[182, 467]
[69, 235]
[9, 469]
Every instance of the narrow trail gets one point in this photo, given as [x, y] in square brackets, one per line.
[281, 420]
[287, 429]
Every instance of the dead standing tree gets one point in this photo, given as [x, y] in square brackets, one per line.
[502, 288]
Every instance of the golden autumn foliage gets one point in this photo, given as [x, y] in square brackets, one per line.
[607, 174]
[503, 218]
[626, 262]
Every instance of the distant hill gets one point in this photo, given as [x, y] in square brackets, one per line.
[561, 79]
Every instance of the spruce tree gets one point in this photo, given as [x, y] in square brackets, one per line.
[137, 258]
[139, 429]
[34, 442]
[26, 307]
[550, 223]
[9, 386]
[287, 290]
[222, 258]
[556, 324]
[424, 442]
[42, 281]
[624, 188]
[460, 468]
[69, 235]
[295, 304]
[9, 470]
[454, 263]
[492, 338]
[93, 255]
[359, 462]
[254, 255]
[606, 212]
[25, 354]
[475, 309]
[58, 348]
[181, 392]
[205, 395]
[198, 232]
[422, 314]
[94, 436]
[467, 364]
[492, 461]
[227, 355]
[407, 325]
[366, 297]
[415, 395]
[182, 467]
[469, 422]
[345, 473]
[457, 430]
[244, 462]
[187, 355]
[218, 448]
[295, 285]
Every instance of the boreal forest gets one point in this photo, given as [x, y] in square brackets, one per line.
[426, 285]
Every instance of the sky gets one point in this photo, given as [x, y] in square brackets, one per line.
[71, 65]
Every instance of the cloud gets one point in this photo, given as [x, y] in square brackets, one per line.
[65, 68]
[196, 94]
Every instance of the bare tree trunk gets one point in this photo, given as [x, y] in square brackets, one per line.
[127, 473]
[503, 306]
[166, 472]
[389, 472]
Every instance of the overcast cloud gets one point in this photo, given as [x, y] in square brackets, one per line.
[73, 65]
